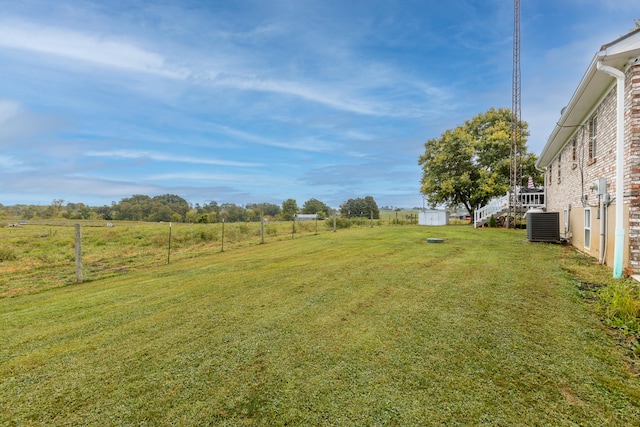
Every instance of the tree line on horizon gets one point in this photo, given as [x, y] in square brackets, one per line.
[174, 208]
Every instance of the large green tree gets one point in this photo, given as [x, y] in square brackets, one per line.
[135, 208]
[266, 209]
[289, 210]
[315, 206]
[469, 165]
[363, 208]
[231, 212]
[166, 207]
[169, 207]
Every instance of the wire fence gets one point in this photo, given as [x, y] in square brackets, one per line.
[42, 254]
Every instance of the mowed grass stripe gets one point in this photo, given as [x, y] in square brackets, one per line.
[361, 327]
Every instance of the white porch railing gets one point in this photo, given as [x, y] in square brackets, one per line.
[495, 206]
[500, 205]
[532, 200]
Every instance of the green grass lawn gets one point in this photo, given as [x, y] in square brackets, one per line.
[367, 326]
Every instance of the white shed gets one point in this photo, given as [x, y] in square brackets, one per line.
[306, 217]
[433, 218]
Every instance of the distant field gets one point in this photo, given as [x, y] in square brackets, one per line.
[367, 326]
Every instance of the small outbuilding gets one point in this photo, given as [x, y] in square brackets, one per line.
[433, 218]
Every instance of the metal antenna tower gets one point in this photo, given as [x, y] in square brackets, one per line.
[515, 168]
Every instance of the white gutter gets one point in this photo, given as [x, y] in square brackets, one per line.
[618, 248]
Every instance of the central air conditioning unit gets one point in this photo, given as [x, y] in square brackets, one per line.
[543, 226]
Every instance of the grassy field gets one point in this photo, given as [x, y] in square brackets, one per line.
[40, 255]
[367, 326]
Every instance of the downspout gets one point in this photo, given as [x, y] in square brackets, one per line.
[618, 248]
[603, 226]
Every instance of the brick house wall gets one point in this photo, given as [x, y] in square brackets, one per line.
[632, 160]
[570, 176]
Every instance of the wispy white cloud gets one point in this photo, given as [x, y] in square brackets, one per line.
[167, 157]
[18, 124]
[9, 109]
[258, 33]
[299, 144]
[317, 92]
[230, 179]
[83, 46]
[111, 52]
[13, 165]
[44, 188]
[614, 5]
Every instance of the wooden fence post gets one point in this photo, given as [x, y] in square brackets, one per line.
[78, 247]
[262, 227]
[169, 250]
[222, 248]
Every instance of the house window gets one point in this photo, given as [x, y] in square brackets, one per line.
[559, 168]
[587, 228]
[593, 131]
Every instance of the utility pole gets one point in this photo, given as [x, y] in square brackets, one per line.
[515, 165]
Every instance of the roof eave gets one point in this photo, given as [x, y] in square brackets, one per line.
[591, 88]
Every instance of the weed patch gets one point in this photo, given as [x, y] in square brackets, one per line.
[616, 301]
[7, 254]
[620, 304]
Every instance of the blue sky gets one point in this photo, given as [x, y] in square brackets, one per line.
[253, 101]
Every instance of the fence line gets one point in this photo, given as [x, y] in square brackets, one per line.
[41, 254]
